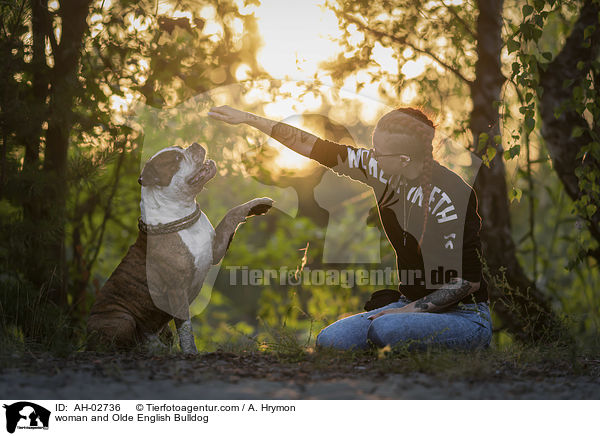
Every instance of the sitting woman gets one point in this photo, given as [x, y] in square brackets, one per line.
[442, 298]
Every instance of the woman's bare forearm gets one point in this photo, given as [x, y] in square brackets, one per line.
[445, 296]
[295, 139]
[437, 300]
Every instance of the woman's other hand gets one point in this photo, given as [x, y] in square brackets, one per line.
[229, 114]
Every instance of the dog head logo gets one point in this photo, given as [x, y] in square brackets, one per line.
[26, 415]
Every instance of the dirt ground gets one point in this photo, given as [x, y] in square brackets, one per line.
[254, 375]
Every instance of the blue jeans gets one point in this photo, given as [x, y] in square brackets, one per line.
[463, 327]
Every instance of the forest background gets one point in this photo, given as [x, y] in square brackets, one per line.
[90, 89]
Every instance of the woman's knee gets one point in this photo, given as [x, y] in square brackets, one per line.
[344, 334]
[405, 331]
[381, 333]
[337, 340]
[323, 338]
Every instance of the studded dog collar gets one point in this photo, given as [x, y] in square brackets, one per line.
[173, 226]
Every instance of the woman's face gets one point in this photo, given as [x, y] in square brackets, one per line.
[397, 155]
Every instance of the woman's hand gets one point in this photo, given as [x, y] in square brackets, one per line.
[229, 114]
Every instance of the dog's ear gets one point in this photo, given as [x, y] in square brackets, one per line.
[160, 170]
[149, 176]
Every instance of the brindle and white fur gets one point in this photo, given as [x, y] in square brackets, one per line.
[161, 274]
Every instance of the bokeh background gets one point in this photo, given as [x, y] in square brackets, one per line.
[89, 90]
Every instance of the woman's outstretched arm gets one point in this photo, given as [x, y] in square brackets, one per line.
[295, 139]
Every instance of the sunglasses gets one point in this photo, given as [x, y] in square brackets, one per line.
[403, 158]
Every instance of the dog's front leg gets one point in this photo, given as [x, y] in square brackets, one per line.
[230, 222]
[186, 336]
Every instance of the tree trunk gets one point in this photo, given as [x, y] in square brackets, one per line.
[60, 121]
[523, 310]
[33, 199]
[563, 148]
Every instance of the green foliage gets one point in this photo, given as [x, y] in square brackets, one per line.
[169, 59]
[515, 194]
[530, 60]
[131, 51]
[437, 32]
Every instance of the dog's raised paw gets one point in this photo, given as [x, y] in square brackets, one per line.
[263, 205]
[261, 209]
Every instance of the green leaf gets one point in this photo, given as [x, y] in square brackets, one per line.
[588, 31]
[512, 152]
[528, 97]
[591, 209]
[490, 153]
[547, 55]
[577, 131]
[483, 139]
[512, 45]
[558, 112]
[527, 10]
[539, 5]
[580, 65]
[529, 123]
[539, 20]
[515, 194]
[498, 139]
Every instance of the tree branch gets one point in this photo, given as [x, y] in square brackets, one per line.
[404, 41]
[460, 20]
[108, 210]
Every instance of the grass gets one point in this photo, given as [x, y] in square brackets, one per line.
[284, 357]
[30, 322]
[284, 348]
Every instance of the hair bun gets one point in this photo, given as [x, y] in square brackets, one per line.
[400, 121]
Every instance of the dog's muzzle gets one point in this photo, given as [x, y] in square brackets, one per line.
[206, 171]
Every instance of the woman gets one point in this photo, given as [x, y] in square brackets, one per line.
[443, 299]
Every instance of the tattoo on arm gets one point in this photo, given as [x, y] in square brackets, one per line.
[292, 137]
[445, 296]
[285, 133]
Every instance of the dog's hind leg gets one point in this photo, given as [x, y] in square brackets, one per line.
[117, 330]
[159, 343]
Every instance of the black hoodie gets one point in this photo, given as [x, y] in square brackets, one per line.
[451, 241]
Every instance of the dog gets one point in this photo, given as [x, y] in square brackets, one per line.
[163, 271]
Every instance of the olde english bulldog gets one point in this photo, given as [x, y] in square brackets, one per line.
[164, 269]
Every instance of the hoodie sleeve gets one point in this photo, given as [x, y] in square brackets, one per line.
[357, 163]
